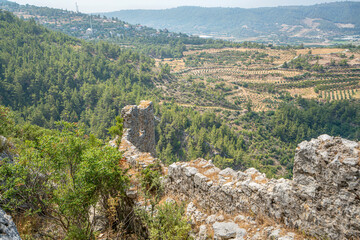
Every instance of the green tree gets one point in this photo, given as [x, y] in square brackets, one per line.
[117, 129]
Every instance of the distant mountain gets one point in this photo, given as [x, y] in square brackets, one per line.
[321, 22]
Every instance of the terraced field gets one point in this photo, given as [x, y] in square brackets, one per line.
[260, 79]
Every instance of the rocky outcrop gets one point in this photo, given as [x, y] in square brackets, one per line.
[4, 149]
[323, 199]
[8, 229]
[138, 140]
[139, 126]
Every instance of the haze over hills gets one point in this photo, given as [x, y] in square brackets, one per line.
[293, 24]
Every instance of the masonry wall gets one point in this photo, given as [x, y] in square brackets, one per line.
[323, 199]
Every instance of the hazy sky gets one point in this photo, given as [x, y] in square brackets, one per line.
[88, 6]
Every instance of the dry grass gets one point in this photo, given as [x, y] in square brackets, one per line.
[304, 92]
[175, 64]
[319, 50]
[27, 225]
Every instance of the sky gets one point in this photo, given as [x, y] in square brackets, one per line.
[89, 6]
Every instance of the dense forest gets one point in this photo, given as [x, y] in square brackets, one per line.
[267, 140]
[48, 76]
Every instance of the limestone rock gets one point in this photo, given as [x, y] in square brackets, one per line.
[8, 230]
[202, 233]
[3, 143]
[138, 140]
[210, 219]
[228, 230]
[4, 149]
[322, 199]
[139, 126]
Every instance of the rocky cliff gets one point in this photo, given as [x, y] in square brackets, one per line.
[322, 200]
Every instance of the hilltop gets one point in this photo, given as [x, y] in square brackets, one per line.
[157, 43]
[321, 23]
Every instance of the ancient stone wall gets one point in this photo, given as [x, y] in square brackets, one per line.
[138, 140]
[139, 126]
[323, 199]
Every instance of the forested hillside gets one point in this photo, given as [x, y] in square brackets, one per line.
[48, 76]
[275, 24]
[60, 101]
[158, 43]
[266, 141]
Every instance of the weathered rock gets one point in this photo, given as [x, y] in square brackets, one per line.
[202, 233]
[3, 143]
[138, 140]
[322, 199]
[4, 149]
[210, 219]
[274, 235]
[139, 126]
[8, 230]
[98, 218]
[228, 230]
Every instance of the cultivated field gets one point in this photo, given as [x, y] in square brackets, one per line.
[231, 78]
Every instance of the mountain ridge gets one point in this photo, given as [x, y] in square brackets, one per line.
[242, 24]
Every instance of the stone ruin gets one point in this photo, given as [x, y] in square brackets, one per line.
[322, 200]
[138, 140]
[139, 126]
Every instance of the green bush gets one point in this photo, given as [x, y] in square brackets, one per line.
[6, 123]
[61, 176]
[150, 179]
[168, 222]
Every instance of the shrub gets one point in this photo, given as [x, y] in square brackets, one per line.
[61, 176]
[168, 222]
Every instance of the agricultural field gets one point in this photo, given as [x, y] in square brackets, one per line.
[242, 79]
